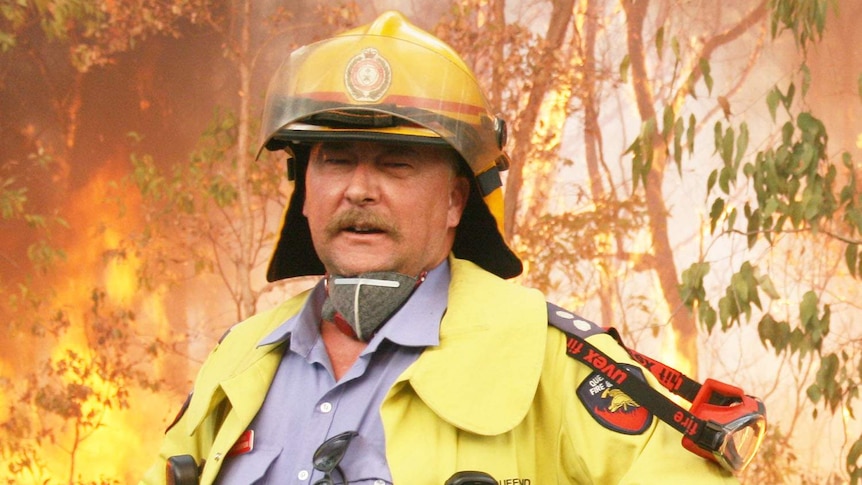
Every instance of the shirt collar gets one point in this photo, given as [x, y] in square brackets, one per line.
[426, 304]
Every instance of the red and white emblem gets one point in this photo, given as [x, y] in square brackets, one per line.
[367, 76]
[611, 407]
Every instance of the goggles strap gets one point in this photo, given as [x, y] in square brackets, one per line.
[489, 181]
[658, 404]
[701, 435]
[672, 379]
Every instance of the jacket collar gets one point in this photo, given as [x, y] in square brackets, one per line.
[245, 376]
[484, 375]
[481, 378]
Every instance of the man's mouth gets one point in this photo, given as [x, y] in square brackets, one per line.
[363, 230]
[361, 224]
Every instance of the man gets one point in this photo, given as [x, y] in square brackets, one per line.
[412, 359]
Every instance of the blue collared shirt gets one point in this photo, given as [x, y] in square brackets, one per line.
[305, 405]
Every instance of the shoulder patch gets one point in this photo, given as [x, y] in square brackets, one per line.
[611, 407]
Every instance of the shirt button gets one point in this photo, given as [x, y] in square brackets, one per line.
[379, 482]
[325, 407]
[302, 475]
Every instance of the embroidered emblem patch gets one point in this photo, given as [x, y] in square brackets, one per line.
[367, 76]
[611, 407]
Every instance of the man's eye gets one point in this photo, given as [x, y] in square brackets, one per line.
[396, 164]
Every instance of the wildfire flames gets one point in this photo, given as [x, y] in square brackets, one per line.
[94, 421]
[96, 360]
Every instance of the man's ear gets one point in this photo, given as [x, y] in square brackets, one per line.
[458, 195]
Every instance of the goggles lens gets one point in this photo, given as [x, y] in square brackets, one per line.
[740, 442]
[736, 424]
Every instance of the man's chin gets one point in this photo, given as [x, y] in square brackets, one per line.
[354, 265]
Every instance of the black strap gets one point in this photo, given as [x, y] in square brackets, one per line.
[672, 379]
[489, 180]
[679, 418]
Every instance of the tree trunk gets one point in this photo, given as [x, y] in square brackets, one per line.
[542, 81]
[246, 304]
[682, 320]
[592, 152]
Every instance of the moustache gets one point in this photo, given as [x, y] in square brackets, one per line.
[357, 218]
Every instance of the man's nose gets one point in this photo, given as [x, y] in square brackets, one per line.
[362, 186]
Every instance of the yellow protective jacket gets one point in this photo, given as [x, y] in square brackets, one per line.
[497, 395]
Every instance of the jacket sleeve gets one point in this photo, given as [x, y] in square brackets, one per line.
[179, 441]
[614, 440]
[176, 442]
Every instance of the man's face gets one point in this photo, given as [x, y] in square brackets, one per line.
[382, 207]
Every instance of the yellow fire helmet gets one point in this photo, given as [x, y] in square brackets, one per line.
[387, 81]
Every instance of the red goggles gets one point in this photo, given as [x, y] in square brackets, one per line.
[723, 424]
[735, 424]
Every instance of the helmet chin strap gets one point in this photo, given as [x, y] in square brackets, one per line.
[359, 305]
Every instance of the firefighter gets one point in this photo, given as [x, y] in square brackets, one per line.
[412, 358]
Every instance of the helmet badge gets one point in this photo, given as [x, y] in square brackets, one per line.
[367, 76]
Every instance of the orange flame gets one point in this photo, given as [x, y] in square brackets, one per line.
[113, 450]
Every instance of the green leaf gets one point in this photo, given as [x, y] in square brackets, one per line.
[854, 454]
[851, 255]
[768, 287]
[826, 380]
[707, 77]
[624, 69]
[772, 100]
[710, 182]
[808, 310]
[753, 227]
[787, 99]
[813, 392]
[731, 219]
[689, 135]
[715, 213]
[741, 144]
[724, 178]
[691, 286]
[659, 41]
[727, 147]
[770, 331]
[667, 120]
[724, 310]
[708, 316]
[679, 128]
[806, 79]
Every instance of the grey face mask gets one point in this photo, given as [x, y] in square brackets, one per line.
[367, 300]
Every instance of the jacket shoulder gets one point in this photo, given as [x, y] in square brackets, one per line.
[256, 327]
[571, 323]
